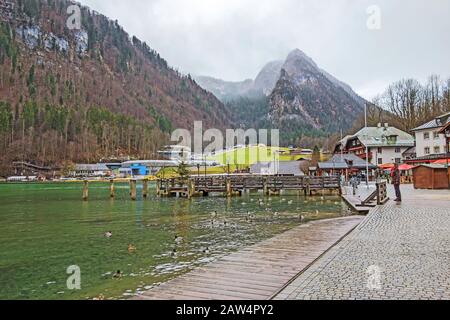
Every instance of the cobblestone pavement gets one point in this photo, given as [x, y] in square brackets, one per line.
[398, 252]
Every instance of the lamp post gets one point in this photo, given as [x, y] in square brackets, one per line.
[205, 164]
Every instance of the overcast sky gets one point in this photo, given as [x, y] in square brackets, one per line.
[234, 39]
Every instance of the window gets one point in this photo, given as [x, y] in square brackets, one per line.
[427, 150]
[380, 161]
[398, 160]
[380, 150]
[398, 150]
[437, 150]
[426, 136]
[436, 135]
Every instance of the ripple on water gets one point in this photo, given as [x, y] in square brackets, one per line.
[62, 230]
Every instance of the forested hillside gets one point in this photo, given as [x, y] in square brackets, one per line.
[89, 93]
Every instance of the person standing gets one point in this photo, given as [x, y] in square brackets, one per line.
[396, 180]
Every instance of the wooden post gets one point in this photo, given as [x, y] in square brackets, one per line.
[133, 189]
[308, 187]
[191, 189]
[266, 186]
[158, 187]
[112, 189]
[228, 187]
[85, 190]
[145, 188]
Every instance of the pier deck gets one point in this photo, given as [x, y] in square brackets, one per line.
[261, 271]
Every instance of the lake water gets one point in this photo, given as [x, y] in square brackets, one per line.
[45, 228]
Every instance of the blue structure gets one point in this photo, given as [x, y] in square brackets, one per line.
[138, 169]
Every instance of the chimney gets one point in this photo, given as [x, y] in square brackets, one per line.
[379, 125]
[386, 126]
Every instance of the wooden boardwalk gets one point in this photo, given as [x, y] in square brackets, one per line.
[261, 271]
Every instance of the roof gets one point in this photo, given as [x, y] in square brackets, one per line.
[430, 157]
[284, 168]
[91, 167]
[433, 166]
[437, 122]
[446, 127]
[378, 137]
[345, 161]
[333, 165]
[410, 151]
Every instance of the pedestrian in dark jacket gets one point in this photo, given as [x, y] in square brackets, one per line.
[396, 181]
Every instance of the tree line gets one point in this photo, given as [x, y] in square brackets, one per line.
[49, 135]
[410, 103]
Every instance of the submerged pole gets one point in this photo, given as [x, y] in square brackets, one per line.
[158, 187]
[85, 190]
[112, 191]
[145, 188]
[228, 187]
[133, 189]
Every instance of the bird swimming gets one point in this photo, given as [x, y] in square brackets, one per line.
[118, 275]
[108, 234]
[179, 239]
[131, 248]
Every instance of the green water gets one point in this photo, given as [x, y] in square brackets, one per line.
[45, 228]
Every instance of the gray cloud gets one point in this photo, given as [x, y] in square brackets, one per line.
[233, 39]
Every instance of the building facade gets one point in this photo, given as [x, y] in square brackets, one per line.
[380, 145]
[431, 140]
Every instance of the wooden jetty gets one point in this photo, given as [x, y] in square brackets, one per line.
[230, 185]
[261, 271]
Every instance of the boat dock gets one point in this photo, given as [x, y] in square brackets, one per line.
[238, 184]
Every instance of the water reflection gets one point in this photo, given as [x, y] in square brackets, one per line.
[41, 237]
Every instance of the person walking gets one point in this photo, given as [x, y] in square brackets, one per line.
[396, 180]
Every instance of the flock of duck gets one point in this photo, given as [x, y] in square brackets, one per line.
[216, 221]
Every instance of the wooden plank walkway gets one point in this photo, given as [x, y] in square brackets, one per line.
[354, 202]
[261, 271]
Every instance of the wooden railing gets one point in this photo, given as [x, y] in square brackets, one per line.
[239, 183]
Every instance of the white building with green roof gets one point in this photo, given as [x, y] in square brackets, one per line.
[385, 144]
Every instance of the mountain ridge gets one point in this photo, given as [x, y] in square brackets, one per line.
[302, 99]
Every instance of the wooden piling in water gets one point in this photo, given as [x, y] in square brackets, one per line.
[112, 191]
[133, 189]
[145, 188]
[85, 190]
[265, 187]
[229, 188]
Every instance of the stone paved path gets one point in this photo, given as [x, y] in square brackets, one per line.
[398, 252]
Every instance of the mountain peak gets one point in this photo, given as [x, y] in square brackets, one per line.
[299, 54]
[298, 62]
